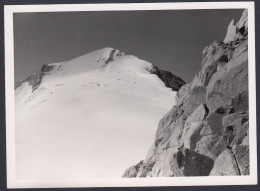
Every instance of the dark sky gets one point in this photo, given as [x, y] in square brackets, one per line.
[170, 39]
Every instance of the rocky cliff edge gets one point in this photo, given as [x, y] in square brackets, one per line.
[206, 132]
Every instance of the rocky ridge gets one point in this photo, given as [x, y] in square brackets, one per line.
[170, 80]
[206, 132]
[36, 79]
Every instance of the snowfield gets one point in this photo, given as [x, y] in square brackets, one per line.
[91, 117]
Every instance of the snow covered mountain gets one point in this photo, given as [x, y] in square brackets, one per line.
[87, 117]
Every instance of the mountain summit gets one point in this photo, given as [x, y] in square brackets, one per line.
[87, 117]
[100, 59]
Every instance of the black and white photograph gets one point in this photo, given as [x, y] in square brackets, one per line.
[130, 95]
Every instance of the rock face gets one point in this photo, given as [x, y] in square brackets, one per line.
[36, 79]
[206, 132]
[170, 80]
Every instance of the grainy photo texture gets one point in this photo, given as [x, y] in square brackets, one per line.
[131, 94]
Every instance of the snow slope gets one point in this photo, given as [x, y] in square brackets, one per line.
[88, 117]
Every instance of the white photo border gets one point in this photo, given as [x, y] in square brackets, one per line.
[12, 182]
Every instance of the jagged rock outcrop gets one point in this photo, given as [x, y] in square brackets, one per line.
[36, 79]
[206, 132]
[170, 80]
[133, 170]
[113, 53]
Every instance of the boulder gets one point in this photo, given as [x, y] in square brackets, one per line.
[225, 165]
[216, 56]
[234, 130]
[163, 167]
[191, 135]
[182, 163]
[230, 119]
[206, 144]
[197, 115]
[226, 84]
[197, 97]
[213, 123]
[194, 164]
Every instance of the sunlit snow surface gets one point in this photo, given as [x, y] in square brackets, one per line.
[89, 119]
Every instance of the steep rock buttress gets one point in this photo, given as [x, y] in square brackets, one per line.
[206, 132]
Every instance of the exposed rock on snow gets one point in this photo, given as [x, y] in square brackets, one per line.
[36, 79]
[206, 132]
[170, 80]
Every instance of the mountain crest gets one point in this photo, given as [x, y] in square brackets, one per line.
[98, 59]
[101, 101]
[236, 30]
